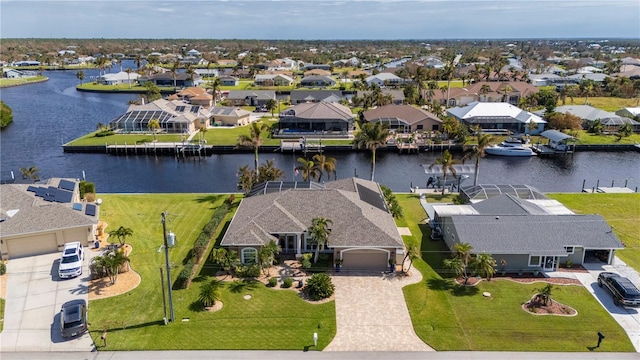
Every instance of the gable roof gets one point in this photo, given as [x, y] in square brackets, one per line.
[258, 94]
[357, 220]
[317, 95]
[229, 111]
[408, 113]
[585, 112]
[495, 87]
[489, 112]
[319, 110]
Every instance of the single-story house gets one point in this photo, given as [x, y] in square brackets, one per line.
[309, 66]
[404, 118]
[181, 80]
[207, 73]
[363, 232]
[321, 118]
[498, 116]
[397, 95]
[317, 81]
[589, 114]
[250, 97]
[193, 95]
[229, 116]
[118, 78]
[312, 96]
[529, 234]
[174, 116]
[385, 79]
[229, 81]
[40, 219]
[631, 112]
[318, 72]
[273, 80]
[16, 74]
[483, 91]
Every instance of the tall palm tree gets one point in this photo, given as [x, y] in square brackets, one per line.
[319, 234]
[254, 140]
[446, 161]
[413, 252]
[128, 71]
[154, 125]
[462, 251]
[174, 72]
[325, 164]
[372, 136]
[80, 76]
[214, 85]
[122, 233]
[271, 105]
[269, 172]
[478, 152]
[308, 169]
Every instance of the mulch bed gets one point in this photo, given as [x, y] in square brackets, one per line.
[537, 307]
[525, 279]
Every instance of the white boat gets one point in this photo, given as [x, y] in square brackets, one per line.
[509, 150]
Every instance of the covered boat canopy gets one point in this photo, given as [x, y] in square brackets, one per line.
[436, 170]
[556, 136]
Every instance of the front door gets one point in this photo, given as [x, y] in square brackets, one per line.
[550, 263]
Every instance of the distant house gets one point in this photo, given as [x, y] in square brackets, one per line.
[363, 233]
[404, 118]
[385, 79]
[313, 96]
[492, 91]
[26, 63]
[174, 116]
[273, 80]
[229, 116]
[318, 72]
[229, 81]
[250, 97]
[193, 96]
[589, 114]
[524, 228]
[15, 74]
[119, 78]
[322, 118]
[194, 53]
[397, 95]
[180, 80]
[207, 73]
[631, 112]
[40, 219]
[309, 66]
[317, 81]
[493, 116]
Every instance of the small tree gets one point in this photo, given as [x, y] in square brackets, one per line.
[544, 293]
[210, 293]
[319, 234]
[30, 173]
[484, 265]
[457, 266]
[412, 253]
[266, 255]
[319, 286]
[122, 233]
[110, 263]
[154, 126]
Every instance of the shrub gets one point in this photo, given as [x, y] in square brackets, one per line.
[248, 271]
[319, 286]
[273, 282]
[287, 282]
[104, 133]
[569, 264]
[3, 268]
[231, 199]
[305, 260]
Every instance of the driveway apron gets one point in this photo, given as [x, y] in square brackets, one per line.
[35, 295]
[371, 313]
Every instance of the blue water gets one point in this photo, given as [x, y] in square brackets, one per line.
[46, 115]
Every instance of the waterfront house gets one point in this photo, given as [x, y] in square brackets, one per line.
[404, 118]
[317, 119]
[250, 97]
[194, 96]
[525, 228]
[175, 116]
[118, 78]
[229, 81]
[318, 72]
[492, 91]
[229, 116]
[630, 112]
[312, 96]
[363, 233]
[384, 79]
[498, 117]
[273, 80]
[180, 80]
[40, 219]
[207, 73]
[589, 114]
[317, 81]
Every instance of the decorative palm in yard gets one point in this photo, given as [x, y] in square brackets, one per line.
[319, 234]
[210, 293]
[122, 233]
[110, 264]
[154, 126]
[484, 265]
[478, 151]
[308, 169]
[254, 140]
[325, 164]
[372, 136]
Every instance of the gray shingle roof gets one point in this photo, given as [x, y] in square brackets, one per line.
[507, 204]
[408, 113]
[321, 111]
[34, 214]
[355, 221]
[258, 94]
[317, 95]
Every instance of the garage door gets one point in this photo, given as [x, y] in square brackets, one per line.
[29, 246]
[365, 260]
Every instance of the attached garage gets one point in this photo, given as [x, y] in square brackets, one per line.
[365, 260]
[33, 245]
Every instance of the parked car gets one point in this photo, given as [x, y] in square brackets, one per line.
[73, 318]
[71, 260]
[624, 292]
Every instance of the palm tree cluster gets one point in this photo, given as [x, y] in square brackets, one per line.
[372, 136]
[318, 165]
[371, 98]
[248, 178]
[447, 162]
[109, 264]
[463, 258]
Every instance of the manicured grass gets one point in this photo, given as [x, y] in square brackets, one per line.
[5, 82]
[121, 139]
[271, 319]
[223, 135]
[449, 317]
[621, 211]
[119, 87]
[612, 104]
[590, 139]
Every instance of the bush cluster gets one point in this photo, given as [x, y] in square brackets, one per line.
[273, 282]
[86, 187]
[319, 286]
[248, 271]
[287, 282]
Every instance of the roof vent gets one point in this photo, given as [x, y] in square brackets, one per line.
[497, 217]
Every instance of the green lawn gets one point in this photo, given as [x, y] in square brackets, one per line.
[605, 103]
[271, 319]
[121, 139]
[449, 317]
[590, 139]
[5, 82]
[119, 87]
[621, 211]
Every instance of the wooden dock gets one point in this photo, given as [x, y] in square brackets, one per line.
[308, 145]
[546, 150]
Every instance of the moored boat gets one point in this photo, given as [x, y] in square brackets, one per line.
[509, 150]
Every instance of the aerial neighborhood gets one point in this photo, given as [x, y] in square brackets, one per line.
[323, 260]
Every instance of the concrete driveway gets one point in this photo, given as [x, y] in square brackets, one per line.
[35, 295]
[371, 314]
[628, 318]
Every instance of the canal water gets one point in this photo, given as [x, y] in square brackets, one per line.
[48, 114]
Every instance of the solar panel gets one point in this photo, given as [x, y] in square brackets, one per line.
[180, 108]
[90, 210]
[195, 109]
[77, 206]
[33, 189]
[67, 185]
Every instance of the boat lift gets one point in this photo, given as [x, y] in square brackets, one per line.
[435, 175]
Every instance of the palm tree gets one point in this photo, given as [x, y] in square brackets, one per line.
[154, 125]
[138, 61]
[625, 130]
[214, 85]
[412, 253]
[271, 105]
[246, 179]
[308, 169]
[80, 76]
[210, 293]
[30, 173]
[484, 90]
[507, 90]
[191, 71]
[128, 71]
[269, 172]
[462, 251]
[456, 265]
[372, 136]
[122, 233]
[319, 234]
[484, 265]
[325, 164]
[588, 88]
[544, 293]
[266, 255]
[478, 152]
[447, 162]
[174, 72]
[111, 263]
[253, 140]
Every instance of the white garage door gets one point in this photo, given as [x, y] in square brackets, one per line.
[30, 246]
[365, 260]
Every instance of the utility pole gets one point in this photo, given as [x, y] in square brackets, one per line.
[166, 257]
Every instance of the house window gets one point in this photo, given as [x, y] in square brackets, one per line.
[419, 127]
[453, 237]
[569, 249]
[452, 102]
[249, 256]
[534, 260]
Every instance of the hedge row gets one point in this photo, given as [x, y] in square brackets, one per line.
[190, 268]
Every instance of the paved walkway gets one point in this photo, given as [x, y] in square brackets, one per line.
[371, 313]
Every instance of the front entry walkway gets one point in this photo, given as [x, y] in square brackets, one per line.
[371, 313]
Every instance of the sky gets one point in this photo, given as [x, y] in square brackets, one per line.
[320, 19]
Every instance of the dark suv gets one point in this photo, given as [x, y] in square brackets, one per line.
[624, 292]
[73, 318]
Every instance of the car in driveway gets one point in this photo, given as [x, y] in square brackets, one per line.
[624, 292]
[71, 260]
[73, 318]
